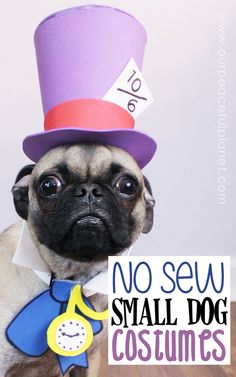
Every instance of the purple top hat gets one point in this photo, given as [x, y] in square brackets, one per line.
[80, 54]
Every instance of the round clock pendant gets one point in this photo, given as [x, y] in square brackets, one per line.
[69, 334]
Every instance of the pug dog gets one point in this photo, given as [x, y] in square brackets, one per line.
[82, 203]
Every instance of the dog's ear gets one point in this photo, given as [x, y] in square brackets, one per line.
[150, 203]
[20, 191]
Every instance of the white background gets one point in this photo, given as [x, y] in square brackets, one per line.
[180, 67]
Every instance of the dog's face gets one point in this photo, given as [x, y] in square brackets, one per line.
[85, 202]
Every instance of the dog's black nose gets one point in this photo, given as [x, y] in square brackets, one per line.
[89, 193]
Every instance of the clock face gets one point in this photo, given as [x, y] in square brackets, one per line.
[71, 335]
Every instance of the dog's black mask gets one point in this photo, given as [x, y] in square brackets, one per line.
[84, 220]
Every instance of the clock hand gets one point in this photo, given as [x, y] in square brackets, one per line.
[69, 336]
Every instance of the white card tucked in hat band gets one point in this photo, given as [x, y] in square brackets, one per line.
[130, 91]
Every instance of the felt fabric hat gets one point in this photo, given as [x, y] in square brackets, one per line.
[80, 54]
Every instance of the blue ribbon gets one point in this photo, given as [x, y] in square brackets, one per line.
[28, 330]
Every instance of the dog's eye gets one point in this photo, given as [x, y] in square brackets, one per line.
[126, 185]
[50, 186]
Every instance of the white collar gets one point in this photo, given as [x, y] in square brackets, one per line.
[27, 255]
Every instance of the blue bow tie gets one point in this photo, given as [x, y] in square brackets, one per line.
[28, 330]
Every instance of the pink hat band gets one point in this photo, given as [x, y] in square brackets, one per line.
[93, 114]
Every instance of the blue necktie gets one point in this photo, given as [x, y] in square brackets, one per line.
[28, 330]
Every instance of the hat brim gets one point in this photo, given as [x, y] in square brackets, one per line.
[139, 145]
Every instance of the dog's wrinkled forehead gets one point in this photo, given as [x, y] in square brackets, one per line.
[87, 160]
